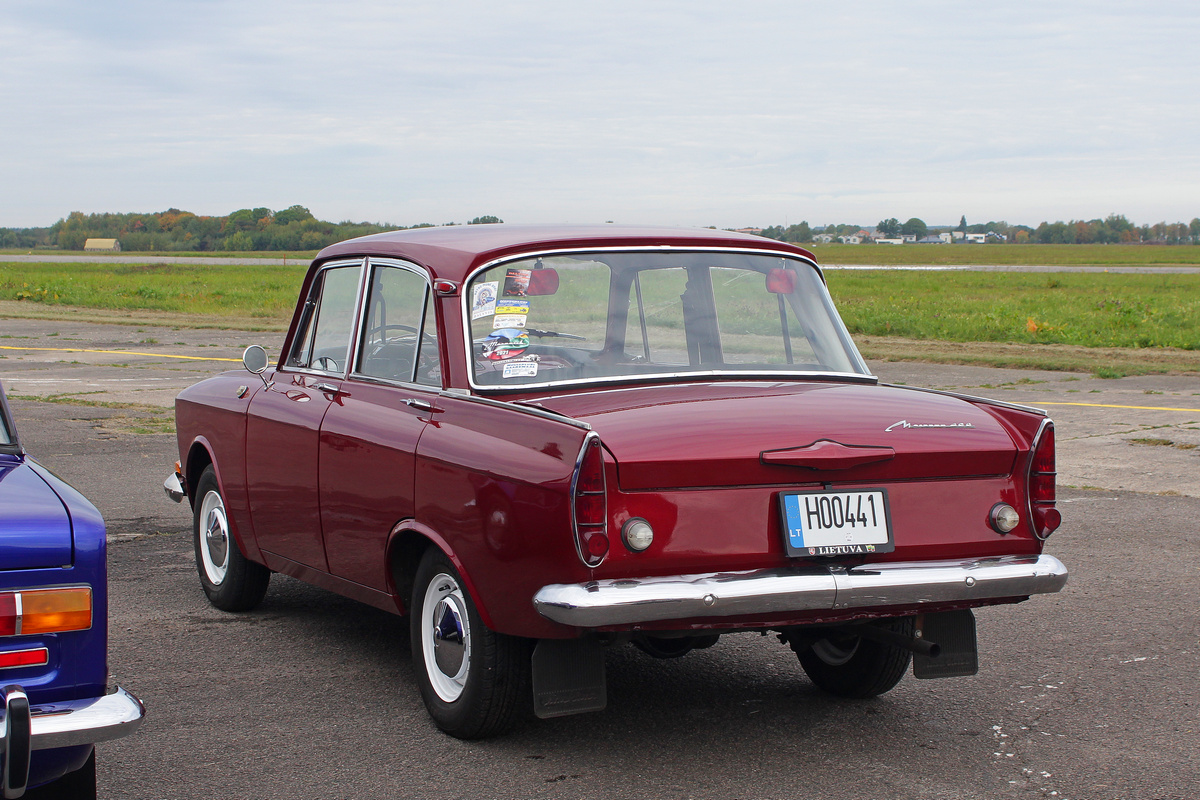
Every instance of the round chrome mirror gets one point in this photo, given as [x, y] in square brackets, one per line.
[255, 359]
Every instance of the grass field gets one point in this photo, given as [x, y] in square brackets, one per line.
[1073, 255]
[1128, 323]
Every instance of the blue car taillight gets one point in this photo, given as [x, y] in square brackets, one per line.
[45, 611]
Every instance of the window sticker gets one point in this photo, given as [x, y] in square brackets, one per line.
[516, 283]
[483, 299]
[521, 369]
[511, 306]
[509, 321]
[504, 344]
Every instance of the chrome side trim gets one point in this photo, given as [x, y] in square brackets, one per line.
[990, 401]
[810, 587]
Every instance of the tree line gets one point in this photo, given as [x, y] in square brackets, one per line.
[296, 229]
[246, 229]
[1114, 229]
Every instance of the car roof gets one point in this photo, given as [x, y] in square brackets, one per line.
[452, 252]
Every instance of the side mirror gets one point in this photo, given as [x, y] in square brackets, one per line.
[255, 359]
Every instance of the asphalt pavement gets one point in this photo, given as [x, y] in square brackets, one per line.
[1091, 693]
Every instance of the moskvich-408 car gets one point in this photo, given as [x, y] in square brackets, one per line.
[538, 442]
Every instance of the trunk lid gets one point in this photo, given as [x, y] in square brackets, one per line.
[760, 433]
[36, 532]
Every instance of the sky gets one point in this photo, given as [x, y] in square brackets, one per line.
[676, 112]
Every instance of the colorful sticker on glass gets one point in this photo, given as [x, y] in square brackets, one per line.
[516, 283]
[512, 306]
[483, 299]
[509, 321]
[521, 369]
[503, 344]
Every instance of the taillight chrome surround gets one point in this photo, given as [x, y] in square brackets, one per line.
[1044, 518]
[589, 503]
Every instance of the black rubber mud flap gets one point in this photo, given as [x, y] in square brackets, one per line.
[568, 677]
[954, 633]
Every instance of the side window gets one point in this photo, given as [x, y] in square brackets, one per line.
[394, 346]
[328, 321]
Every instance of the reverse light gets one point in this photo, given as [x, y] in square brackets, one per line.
[638, 534]
[1003, 518]
[1046, 518]
[45, 611]
[589, 508]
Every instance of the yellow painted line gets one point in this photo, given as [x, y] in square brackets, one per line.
[1135, 408]
[118, 353]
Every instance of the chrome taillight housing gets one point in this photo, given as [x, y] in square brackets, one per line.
[589, 503]
[1044, 516]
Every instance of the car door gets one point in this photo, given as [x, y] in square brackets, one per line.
[369, 436]
[284, 421]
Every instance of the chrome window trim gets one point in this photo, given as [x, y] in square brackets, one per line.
[361, 321]
[351, 349]
[465, 312]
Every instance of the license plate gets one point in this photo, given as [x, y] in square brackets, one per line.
[836, 523]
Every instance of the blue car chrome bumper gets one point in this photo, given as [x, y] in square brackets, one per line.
[27, 727]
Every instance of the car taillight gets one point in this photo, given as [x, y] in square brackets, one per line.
[45, 611]
[34, 657]
[1046, 518]
[589, 508]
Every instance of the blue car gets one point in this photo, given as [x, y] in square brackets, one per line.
[57, 701]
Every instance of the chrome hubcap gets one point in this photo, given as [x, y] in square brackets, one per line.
[835, 654]
[214, 538]
[446, 637]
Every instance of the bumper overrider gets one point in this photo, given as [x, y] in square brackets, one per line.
[46, 726]
[811, 587]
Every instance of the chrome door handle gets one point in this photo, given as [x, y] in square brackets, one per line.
[322, 386]
[421, 405]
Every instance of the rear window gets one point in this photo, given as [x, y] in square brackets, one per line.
[608, 316]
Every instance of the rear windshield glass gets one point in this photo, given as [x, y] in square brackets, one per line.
[607, 316]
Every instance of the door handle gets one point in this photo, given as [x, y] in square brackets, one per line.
[322, 386]
[421, 405]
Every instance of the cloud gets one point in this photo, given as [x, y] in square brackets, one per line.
[674, 112]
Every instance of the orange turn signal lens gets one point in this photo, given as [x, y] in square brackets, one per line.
[46, 611]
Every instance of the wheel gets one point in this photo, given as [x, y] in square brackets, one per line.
[231, 581]
[77, 785]
[851, 666]
[471, 678]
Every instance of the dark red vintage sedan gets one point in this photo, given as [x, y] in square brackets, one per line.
[539, 442]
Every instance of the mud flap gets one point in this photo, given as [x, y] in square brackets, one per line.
[954, 633]
[568, 677]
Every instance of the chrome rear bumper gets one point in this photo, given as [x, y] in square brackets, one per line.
[25, 728]
[811, 587]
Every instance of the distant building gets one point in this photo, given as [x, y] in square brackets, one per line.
[823, 238]
[851, 239]
[896, 240]
[942, 239]
[976, 238]
[948, 237]
[102, 245]
[755, 231]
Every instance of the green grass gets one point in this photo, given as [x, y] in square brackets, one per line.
[1098, 255]
[265, 290]
[1089, 310]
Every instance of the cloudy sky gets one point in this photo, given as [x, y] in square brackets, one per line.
[686, 112]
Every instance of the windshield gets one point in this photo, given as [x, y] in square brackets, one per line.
[619, 315]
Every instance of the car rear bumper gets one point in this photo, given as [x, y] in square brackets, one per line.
[811, 587]
[27, 727]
